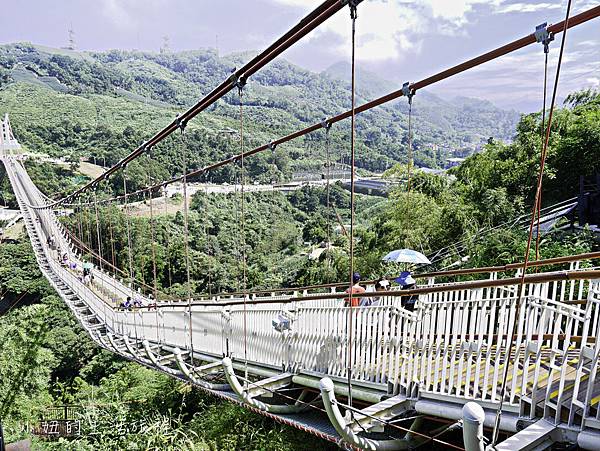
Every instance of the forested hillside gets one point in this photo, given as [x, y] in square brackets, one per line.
[103, 104]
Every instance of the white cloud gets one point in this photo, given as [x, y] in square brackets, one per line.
[389, 29]
[527, 7]
[124, 13]
[455, 11]
[389, 32]
[593, 81]
[116, 12]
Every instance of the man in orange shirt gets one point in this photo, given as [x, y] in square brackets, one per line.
[356, 288]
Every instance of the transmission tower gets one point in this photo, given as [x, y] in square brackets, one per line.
[165, 48]
[72, 45]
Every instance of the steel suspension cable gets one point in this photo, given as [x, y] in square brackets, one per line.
[410, 96]
[546, 43]
[153, 238]
[327, 126]
[183, 149]
[99, 238]
[243, 223]
[579, 19]
[79, 223]
[206, 236]
[129, 249]
[538, 191]
[90, 232]
[110, 234]
[236, 217]
[353, 16]
[315, 18]
[167, 240]
[153, 245]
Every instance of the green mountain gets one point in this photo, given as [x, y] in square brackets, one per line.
[462, 122]
[115, 100]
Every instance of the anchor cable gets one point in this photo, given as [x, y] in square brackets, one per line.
[353, 16]
[241, 84]
[546, 43]
[183, 149]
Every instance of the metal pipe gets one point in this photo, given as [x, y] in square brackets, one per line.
[243, 394]
[339, 423]
[342, 390]
[589, 440]
[186, 371]
[455, 412]
[473, 418]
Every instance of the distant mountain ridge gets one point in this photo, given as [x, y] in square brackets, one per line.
[279, 99]
[429, 106]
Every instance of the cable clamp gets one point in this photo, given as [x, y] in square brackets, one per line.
[146, 146]
[237, 81]
[543, 36]
[271, 146]
[234, 77]
[240, 83]
[181, 123]
[352, 4]
[326, 124]
[407, 91]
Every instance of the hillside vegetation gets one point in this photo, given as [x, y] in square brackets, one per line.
[104, 104]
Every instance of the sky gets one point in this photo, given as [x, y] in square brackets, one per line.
[399, 40]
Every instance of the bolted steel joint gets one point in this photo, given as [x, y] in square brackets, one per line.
[353, 7]
[543, 36]
[240, 83]
[181, 123]
[408, 92]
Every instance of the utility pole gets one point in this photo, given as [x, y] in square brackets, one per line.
[165, 48]
[72, 45]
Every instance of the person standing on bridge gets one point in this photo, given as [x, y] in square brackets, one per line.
[407, 282]
[356, 289]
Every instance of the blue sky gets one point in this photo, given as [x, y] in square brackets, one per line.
[400, 40]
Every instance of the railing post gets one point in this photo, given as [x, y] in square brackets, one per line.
[473, 417]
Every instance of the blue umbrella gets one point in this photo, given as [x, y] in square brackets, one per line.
[406, 256]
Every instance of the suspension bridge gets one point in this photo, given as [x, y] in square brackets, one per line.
[510, 352]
